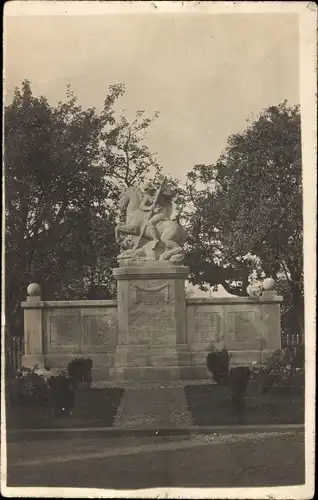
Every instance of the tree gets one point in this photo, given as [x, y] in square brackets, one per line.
[249, 211]
[52, 174]
[81, 267]
[64, 168]
[126, 158]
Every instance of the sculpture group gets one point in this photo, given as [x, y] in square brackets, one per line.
[149, 232]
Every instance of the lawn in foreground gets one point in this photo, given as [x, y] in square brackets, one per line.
[205, 404]
[212, 460]
[93, 407]
[210, 404]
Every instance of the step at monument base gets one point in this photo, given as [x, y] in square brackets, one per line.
[146, 363]
[152, 356]
[159, 373]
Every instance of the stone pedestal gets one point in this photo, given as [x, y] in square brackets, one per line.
[152, 343]
[33, 329]
[271, 328]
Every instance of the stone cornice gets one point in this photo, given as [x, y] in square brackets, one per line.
[234, 300]
[68, 304]
[151, 272]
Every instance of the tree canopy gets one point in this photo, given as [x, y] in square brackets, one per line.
[248, 209]
[65, 167]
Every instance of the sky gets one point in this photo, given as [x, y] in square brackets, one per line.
[205, 74]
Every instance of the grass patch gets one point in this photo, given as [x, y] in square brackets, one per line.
[92, 408]
[211, 405]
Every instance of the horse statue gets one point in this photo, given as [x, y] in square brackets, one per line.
[172, 236]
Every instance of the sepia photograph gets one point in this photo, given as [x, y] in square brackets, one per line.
[159, 227]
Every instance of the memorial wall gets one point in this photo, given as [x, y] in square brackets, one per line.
[58, 331]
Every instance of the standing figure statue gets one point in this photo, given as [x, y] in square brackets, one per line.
[160, 208]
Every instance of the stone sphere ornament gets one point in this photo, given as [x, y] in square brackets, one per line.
[269, 284]
[34, 290]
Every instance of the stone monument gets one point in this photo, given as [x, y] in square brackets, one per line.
[152, 332]
[152, 341]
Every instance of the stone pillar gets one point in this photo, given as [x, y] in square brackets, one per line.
[270, 310]
[33, 328]
[152, 328]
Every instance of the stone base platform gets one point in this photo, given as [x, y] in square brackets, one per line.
[148, 364]
[104, 371]
[152, 355]
[155, 373]
[103, 368]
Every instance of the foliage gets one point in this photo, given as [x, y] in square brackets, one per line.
[33, 389]
[218, 363]
[62, 394]
[238, 381]
[80, 371]
[29, 386]
[127, 160]
[85, 260]
[64, 168]
[248, 209]
[283, 369]
[235, 378]
[53, 182]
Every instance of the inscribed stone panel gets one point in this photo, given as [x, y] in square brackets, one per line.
[208, 324]
[152, 315]
[64, 328]
[99, 329]
[242, 326]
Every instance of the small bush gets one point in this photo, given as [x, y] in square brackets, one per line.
[238, 382]
[62, 394]
[29, 388]
[236, 378]
[34, 390]
[283, 369]
[80, 371]
[218, 363]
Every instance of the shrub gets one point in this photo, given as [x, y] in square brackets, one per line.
[62, 394]
[238, 382]
[80, 371]
[218, 363]
[236, 378]
[283, 369]
[29, 387]
[32, 389]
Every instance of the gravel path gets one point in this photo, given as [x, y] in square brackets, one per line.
[153, 407]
